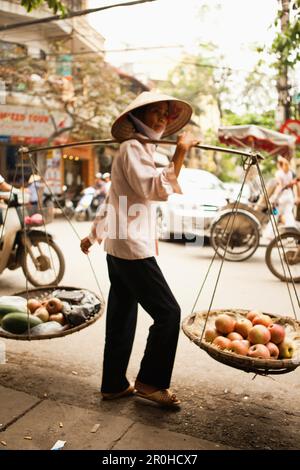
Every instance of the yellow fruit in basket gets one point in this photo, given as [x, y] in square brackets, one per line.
[210, 334]
[262, 320]
[286, 349]
[259, 334]
[273, 350]
[239, 347]
[42, 313]
[243, 326]
[277, 333]
[222, 343]
[58, 317]
[260, 351]
[33, 305]
[224, 323]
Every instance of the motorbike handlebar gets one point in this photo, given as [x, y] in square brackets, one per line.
[13, 199]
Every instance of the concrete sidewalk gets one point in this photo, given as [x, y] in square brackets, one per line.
[31, 423]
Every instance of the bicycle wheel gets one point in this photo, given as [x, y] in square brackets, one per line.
[43, 262]
[290, 241]
[244, 238]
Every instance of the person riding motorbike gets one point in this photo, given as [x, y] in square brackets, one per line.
[22, 246]
[6, 187]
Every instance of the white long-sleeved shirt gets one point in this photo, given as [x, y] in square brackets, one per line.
[1, 179]
[127, 222]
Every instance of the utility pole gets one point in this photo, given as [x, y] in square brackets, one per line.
[284, 100]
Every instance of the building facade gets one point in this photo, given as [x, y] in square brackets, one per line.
[27, 116]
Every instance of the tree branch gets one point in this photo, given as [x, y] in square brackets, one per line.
[69, 15]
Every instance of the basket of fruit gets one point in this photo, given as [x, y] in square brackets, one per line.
[48, 312]
[247, 339]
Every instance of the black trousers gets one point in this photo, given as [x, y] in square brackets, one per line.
[133, 282]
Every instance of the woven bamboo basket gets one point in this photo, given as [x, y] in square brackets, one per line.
[42, 294]
[193, 326]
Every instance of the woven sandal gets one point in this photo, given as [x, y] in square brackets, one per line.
[125, 393]
[163, 397]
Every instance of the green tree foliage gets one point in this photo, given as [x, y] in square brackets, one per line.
[55, 5]
[286, 45]
[266, 119]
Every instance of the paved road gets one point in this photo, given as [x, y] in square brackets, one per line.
[222, 404]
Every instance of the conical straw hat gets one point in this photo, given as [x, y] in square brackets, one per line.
[181, 111]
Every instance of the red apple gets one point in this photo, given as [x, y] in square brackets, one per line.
[259, 334]
[252, 314]
[239, 347]
[210, 334]
[277, 333]
[222, 343]
[54, 306]
[246, 342]
[273, 350]
[260, 351]
[286, 349]
[262, 320]
[233, 336]
[243, 326]
[224, 323]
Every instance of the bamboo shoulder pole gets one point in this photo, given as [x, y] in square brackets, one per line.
[25, 150]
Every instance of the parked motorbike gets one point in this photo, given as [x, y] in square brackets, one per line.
[89, 203]
[27, 247]
[66, 201]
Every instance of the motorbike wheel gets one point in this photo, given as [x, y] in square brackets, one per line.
[44, 263]
[244, 239]
[278, 263]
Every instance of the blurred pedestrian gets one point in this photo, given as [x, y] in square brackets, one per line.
[283, 197]
[107, 181]
[254, 185]
[35, 190]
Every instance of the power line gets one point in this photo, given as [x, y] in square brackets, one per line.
[69, 15]
[195, 64]
[127, 49]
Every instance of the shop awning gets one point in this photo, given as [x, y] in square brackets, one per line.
[258, 138]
